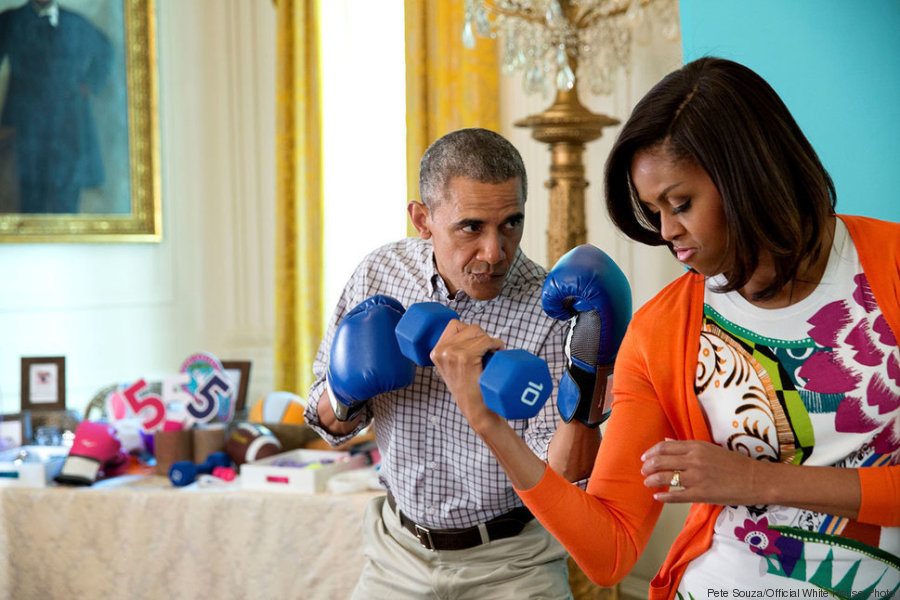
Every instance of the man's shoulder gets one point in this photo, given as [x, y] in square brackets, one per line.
[404, 250]
[12, 13]
[403, 262]
[73, 15]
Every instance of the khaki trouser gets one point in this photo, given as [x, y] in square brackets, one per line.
[531, 565]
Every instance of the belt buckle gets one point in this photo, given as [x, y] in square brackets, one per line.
[424, 536]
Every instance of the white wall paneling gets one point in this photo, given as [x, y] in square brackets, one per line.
[218, 79]
[123, 311]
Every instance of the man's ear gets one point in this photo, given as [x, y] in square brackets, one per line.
[419, 215]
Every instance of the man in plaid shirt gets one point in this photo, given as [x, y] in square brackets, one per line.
[451, 524]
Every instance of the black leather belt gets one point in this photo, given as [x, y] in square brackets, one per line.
[504, 526]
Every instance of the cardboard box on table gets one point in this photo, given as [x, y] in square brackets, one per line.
[266, 474]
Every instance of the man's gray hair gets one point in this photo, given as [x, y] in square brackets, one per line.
[477, 154]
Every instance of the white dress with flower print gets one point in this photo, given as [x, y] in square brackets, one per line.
[816, 383]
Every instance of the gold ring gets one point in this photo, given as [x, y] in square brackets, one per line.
[676, 479]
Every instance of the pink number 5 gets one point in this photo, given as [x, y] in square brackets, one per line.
[148, 401]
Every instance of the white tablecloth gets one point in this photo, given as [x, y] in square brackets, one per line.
[150, 540]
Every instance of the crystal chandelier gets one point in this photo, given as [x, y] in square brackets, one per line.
[557, 40]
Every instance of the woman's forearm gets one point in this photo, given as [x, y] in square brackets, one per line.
[521, 464]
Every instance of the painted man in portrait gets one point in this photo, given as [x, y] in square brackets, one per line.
[58, 60]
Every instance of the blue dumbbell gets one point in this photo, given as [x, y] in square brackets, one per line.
[184, 472]
[515, 384]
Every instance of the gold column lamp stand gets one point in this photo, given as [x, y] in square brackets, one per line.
[566, 126]
[543, 38]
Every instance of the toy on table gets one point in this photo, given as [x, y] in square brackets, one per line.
[278, 407]
[210, 388]
[251, 441]
[184, 472]
[224, 473]
[96, 452]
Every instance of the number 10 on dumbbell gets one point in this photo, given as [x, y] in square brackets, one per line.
[515, 384]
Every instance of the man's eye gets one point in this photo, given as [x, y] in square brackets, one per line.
[469, 228]
[514, 223]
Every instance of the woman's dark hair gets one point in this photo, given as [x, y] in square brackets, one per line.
[777, 195]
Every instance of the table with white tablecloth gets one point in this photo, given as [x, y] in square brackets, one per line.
[148, 539]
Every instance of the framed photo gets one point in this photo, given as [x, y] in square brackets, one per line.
[43, 383]
[15, 430]
[239, 371]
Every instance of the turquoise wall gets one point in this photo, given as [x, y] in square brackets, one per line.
[836, 64]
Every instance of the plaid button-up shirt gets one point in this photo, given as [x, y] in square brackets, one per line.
[440, 473]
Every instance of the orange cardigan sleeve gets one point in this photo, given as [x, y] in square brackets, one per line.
[878, 247]
[606, 527]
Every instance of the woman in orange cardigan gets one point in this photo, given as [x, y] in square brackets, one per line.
[762, 386]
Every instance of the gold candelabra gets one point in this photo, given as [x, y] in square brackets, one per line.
[565, 41]
[566, 126]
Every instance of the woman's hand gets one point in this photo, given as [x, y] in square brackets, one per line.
[712, 474]
[457, 356]
[706, 473]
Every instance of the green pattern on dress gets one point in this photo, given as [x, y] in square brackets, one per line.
[786, 392]
[847, 588]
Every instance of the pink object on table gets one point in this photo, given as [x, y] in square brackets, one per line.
[226, 473]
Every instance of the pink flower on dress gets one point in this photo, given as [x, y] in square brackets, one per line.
[758, 536]
[859, 361]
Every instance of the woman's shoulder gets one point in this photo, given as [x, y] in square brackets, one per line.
[877, 242]
[673, 300]
[861, 228]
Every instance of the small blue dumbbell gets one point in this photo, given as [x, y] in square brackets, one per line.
[184, 472]
[515, 384]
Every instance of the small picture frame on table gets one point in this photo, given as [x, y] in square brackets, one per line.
[15, 430]
[43, 383]
[239, 372]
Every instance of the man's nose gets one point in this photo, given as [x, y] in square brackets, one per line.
[491, 250]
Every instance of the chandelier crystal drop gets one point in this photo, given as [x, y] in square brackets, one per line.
[559, 40]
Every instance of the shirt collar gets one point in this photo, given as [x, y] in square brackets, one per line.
[51, 11]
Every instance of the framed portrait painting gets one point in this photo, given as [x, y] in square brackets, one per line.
[78, 121]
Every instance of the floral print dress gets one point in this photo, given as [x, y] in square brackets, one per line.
[816, 383]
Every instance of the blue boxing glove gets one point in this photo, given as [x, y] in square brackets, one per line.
[365, 358]
[587, 289]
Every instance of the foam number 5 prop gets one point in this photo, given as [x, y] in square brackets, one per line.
[216, 386]
[211, 390]
[116, 406]
[176, 400]
[151, 405]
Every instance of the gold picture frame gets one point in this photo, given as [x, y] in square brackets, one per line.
[138, 216]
